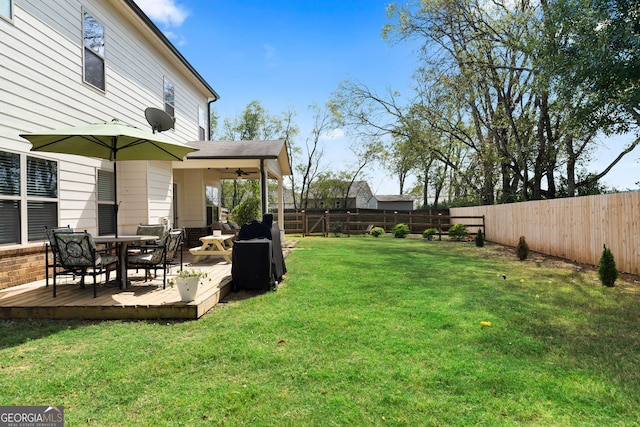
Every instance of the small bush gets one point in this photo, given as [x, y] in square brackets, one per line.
[458, 232]
[607, 270]
[522, 249]
[246, 211]
[429, 233]
[400, 230]
[377, 231]
[479, 239]
[335, 228]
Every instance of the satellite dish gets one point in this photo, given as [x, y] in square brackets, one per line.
[159, 120]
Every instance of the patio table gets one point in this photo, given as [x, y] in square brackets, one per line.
[214, 245]
[122, 242]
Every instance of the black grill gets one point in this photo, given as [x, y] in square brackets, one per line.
[257, 260]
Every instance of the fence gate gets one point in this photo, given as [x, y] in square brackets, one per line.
[318, 224]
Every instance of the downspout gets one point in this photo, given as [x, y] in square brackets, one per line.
[211, 101]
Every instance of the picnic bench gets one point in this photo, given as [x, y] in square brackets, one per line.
[214, 245]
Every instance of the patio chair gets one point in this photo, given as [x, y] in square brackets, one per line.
[78, 254]
[150, 230]
[162, 255]
[52, 260]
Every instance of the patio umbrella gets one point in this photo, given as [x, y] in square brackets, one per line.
[113, 141]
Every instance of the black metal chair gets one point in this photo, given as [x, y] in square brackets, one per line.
[162, 255]
[150, 230]
[52, 262]
[77, 253]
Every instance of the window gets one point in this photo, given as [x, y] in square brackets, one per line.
[202, 122]
[6, 9]
[9, 198]
[37, 207]
[169, 98]
[42, 196]
[94, 69]
[106, 203]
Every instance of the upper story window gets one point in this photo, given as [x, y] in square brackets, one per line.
[94, 68]
[169, 98]
[6, 9]
[202, 123]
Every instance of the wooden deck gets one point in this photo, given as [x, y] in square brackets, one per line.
[141, 300]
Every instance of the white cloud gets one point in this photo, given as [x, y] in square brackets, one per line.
[165, 12]
[176, 39]
[269, 52]
[333, 134]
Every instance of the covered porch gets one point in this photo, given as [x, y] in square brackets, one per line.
[216, 161]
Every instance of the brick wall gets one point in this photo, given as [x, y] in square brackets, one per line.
[19, 266]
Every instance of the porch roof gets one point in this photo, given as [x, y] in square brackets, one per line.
[241, 154]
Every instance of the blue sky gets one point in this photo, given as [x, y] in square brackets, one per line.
[289, 54]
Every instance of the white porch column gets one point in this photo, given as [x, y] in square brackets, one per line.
[281, 207]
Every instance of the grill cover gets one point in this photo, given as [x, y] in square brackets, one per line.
[257, 260]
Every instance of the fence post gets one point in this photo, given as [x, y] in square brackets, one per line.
[439, 226]
[325, 224]
[484, 229]
[348, 224]
[303, 225]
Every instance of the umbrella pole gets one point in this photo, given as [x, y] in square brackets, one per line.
[115, 195]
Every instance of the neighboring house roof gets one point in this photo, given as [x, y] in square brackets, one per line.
[165, 41]
[239, 150]
[393, 198]
[359, 188]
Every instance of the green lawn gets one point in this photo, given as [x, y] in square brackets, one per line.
[364, 331]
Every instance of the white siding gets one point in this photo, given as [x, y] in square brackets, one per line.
[191, 197]
[41, 87]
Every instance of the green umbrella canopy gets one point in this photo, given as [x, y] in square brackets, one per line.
[112, 140]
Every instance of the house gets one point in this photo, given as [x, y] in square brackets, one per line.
[394, 202]
[75, 62]
[333, 194]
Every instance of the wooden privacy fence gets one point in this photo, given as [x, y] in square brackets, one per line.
[360, 221]
[572, 228]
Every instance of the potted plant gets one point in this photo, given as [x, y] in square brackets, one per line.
[187, 281]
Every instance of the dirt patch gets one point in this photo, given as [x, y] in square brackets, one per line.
[625, 280]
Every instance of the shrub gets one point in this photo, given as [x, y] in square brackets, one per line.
[377, 231]
[607, 270]
[479, 239]
[458, 232]
[400, 230]
[246, 211]
[522, 249]
[336, 228]
[429, 233]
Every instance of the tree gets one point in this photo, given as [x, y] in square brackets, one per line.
[310, 167]
[593, 61]
[366, 153]
[253, 124]
[473, 62]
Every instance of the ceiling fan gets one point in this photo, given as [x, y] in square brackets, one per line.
[242, 173]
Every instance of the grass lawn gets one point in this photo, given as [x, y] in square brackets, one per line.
[364, 331]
